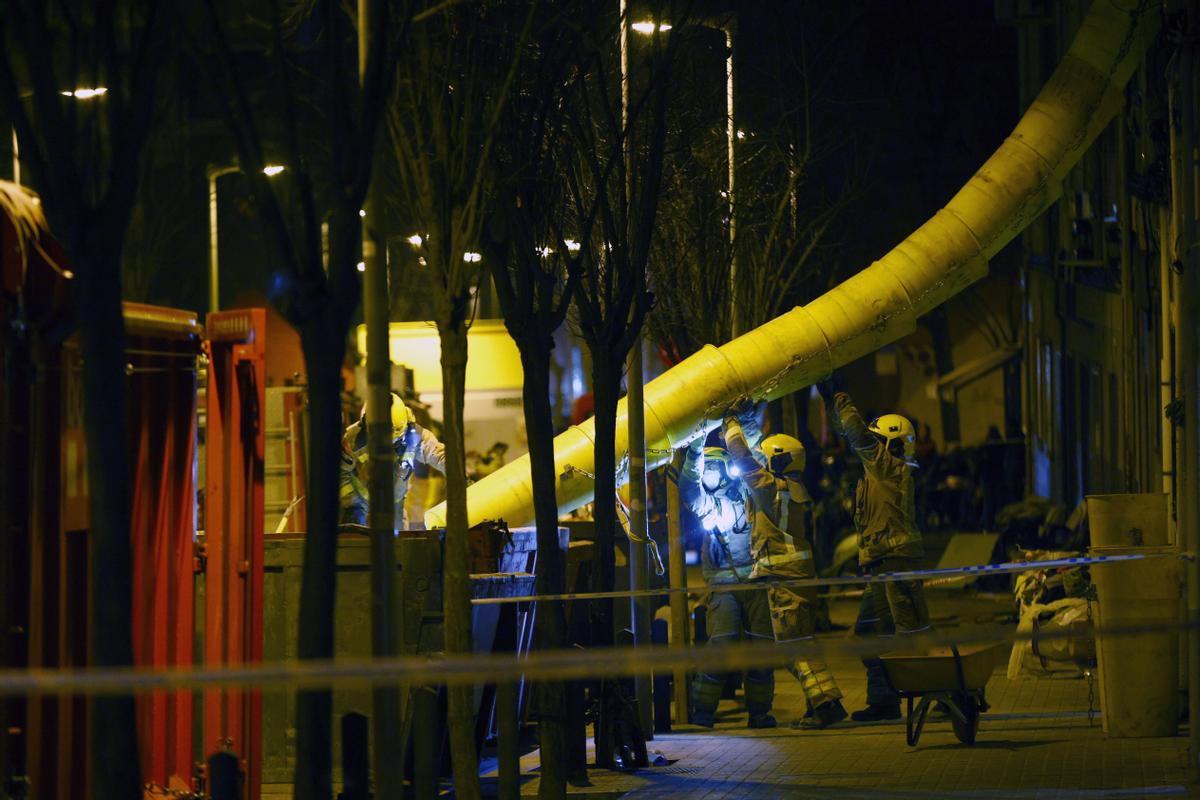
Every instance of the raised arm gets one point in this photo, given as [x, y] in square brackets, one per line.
[847, 421]
[691, 491]
[756, 478]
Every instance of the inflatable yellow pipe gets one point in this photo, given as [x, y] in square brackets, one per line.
[881, 303]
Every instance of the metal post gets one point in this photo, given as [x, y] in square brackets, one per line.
[427, 737]
[508, 746]
[1188, 371]
[381, 515]
[639, 573]
[731, 137]
[639, 566]
[678, 577]
[214, 302]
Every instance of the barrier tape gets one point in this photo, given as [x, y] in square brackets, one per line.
[854, 580]
[480, 668]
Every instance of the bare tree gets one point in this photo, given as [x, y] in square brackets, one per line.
[328, 177]
[535, 274]
[787, 206]
[159, 238]
[613, 168]
[83, 152]
[453, 82]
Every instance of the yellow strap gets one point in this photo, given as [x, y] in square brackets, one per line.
[787, 558]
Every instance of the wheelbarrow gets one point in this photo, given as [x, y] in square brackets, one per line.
[953, 676]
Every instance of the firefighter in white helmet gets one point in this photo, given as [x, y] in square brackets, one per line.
[888, 539]
[413, 445]
[780, 512]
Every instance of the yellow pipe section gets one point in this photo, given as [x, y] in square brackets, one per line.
[882, 302]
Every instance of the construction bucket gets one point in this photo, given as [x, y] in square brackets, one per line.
[1139, 672]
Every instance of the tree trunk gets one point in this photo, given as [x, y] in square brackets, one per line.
[606, 382]
[456, 591]
[549, 623]
[324, 350]
[115, 771]
[606, 387]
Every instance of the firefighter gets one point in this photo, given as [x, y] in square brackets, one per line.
[709, 487]
[413, 445]
[888, 539]
[780, 513]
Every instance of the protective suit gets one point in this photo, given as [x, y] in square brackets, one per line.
[711, 492]
[889, 541]
[780, 511]
[413, 445]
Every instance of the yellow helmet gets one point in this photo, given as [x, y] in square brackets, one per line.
[402, 416]
[891, 427]
[785, 454]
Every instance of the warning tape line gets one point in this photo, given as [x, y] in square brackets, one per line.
[853, 580]
[481, 668]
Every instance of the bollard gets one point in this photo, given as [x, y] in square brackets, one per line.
[508, 746]
[224, 776]
[355, 758]
[427, 742]
[662, 682]
[576, 730]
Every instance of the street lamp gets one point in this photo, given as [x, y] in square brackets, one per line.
[86, 93]
[81, 93]
[649, 27]
[215, 173]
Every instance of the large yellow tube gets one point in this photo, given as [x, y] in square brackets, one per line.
[882, 302]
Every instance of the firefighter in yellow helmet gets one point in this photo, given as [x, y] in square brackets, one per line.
[888, 539]
[413, 445]
[711, 489]
[780, 511]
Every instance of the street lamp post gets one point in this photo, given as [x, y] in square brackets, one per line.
[730, 138]
[214, 174]
[649, 28]
[637, 443]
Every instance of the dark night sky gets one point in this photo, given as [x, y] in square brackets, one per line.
[914, 95]
[921, 92]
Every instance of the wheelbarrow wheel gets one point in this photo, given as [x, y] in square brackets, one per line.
[965, 729]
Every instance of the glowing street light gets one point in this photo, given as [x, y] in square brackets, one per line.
[572, 245]
[361, 266]
[271, 170]
[415, 240]
[86, 93]
[472, 258]
[648, 27]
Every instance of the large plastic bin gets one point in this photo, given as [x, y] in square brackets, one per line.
[1139, 673]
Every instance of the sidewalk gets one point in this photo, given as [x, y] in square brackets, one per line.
[1035, 742]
